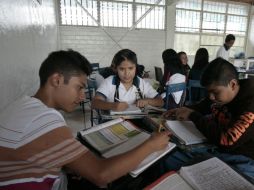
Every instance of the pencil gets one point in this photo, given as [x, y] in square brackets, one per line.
[160, 128]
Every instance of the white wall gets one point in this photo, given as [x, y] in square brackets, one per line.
[93, 43]
[28, 33]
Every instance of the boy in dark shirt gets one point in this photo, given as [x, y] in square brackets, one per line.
[226, 116]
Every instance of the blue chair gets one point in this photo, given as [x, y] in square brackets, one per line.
[89, 91]
[196, 85]
[175, 88]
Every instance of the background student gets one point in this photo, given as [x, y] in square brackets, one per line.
[35, 142]
[184, 59]
[225, 118]
[223, 51]
[173, 73]
[124, 88]
[200, 63]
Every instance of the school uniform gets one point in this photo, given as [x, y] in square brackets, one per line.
[108, 89]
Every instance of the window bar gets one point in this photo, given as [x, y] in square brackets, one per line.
[98, 23]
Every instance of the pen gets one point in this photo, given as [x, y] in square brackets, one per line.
[118, 100]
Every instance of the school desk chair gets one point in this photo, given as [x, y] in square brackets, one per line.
[90, 92]
[158, 74]
[171, 88]
[200, 91]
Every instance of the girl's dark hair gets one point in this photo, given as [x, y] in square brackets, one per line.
[120, 56]
[171, 61]
[201, 59]
[68, 63]
[124, 54]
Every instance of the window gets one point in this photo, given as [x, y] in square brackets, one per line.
[205, 23]
[114, 13]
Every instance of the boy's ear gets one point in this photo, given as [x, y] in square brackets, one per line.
[55, 79]
[233, 84]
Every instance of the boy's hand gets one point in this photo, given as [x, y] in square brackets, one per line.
[120, 106]
[159, 141]
[170, 114]
[182, 113]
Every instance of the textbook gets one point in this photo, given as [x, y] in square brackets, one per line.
[185, 131]
[211, 174]
[132, 109]
[119, 136]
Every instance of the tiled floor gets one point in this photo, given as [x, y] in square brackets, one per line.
[75, 120]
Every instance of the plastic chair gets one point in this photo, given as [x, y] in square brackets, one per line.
[158, 74]
[171, 88]
[194, 84]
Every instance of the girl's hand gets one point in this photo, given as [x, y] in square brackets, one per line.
[120, 106]
[142, 103]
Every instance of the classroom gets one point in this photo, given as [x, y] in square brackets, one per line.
[105, 34]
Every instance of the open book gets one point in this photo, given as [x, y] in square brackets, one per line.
[119, 136]
[185, 131]
[132, 109]
[211, 174]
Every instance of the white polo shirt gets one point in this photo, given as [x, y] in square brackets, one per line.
[107, 89]
[223, 53]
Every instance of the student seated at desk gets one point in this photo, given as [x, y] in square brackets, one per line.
[36, 144]
[125, 88]
[225, 117]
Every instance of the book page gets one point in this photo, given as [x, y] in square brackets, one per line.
[134, 142]
[169, 181]
[101, 126]
[152, 158]
[213, 174]
[132, 109]
[108, 137]
[186, 131]
[149, 108]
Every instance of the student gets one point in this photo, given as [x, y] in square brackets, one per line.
[200, 63]
[35, 142]
[184, 59]
[116, 92]
[173, 73]
[226, 117]
[223, 51]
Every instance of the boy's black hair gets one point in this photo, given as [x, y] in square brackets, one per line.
[229, 37]
[68, 63]
[218, 72]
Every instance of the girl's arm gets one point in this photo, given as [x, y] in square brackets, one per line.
[157, 101]
[100, 103]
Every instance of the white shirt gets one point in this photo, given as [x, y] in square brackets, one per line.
[223, 53]
[108, 89]
[175, 78]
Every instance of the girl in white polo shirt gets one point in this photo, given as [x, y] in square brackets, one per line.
[118, 91]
